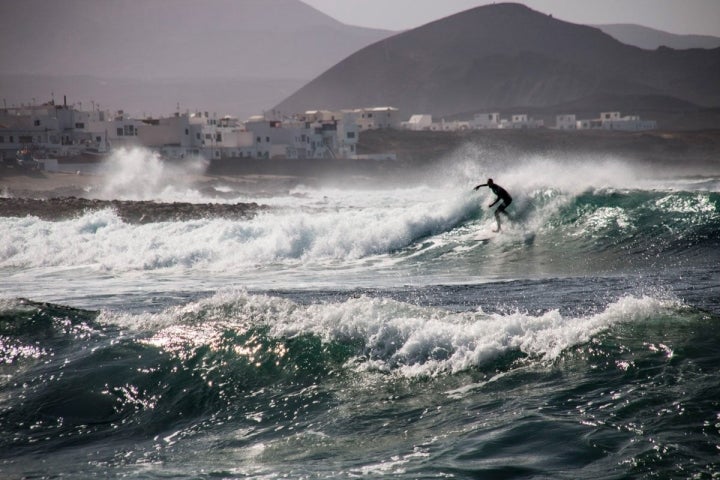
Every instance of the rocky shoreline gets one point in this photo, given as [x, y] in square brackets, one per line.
[62, 208]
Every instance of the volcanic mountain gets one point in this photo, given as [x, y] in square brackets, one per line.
[229, 56]
[504, 56]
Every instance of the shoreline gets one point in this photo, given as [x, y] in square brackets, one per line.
[131, 211]
[692, 153]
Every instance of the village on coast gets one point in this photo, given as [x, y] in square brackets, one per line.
[46, 136]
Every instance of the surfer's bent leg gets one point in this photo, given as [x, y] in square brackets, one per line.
[500, 209]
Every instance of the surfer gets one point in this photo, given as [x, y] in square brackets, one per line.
[502, 194]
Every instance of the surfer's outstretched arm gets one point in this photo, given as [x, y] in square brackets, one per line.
[483, 185]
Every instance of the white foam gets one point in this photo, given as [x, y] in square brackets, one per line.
[139, 174]
[398, 337]
[344, 234]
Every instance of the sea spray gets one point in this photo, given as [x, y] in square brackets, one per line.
[418, 235]
[137, 173]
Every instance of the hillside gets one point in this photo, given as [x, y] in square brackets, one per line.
[146, 48]
[650, 38]
[696, 151]
[507, 56]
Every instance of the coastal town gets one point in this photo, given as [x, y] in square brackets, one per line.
[44, 136]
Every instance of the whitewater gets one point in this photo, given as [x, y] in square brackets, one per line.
[365, 328]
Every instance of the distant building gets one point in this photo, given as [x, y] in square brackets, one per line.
[418, 122]
[566, 122]
[521, 121]
[314, 134]
[274, 138]
[197, 134]
[57, 130]
[122, 130]
[614, 121]
[451, 126]
[377, 117]
[589, 124]
[322, 115]
[424, 122]
[485, 120]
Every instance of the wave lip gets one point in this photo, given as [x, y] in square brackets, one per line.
[396, 337]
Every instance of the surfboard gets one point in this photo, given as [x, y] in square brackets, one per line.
[486, 235]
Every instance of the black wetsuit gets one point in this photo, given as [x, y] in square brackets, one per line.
[503, 195]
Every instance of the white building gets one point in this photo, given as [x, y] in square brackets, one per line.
[314, 134]
[323, 115]
[347, 136]
[418, 122]
[451, 126]
[613, 121]
[521, 121]
[589, 124]
[566, 122]
[378, 117]
[197, 134]
[486, 120]
[274, 138]
[56, 130]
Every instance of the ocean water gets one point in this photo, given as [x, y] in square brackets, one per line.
[374, 331]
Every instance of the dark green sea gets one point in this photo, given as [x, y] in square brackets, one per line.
[373, 333]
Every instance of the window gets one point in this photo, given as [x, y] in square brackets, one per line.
[208, 136]
[350, 134]
[80, 125]
[2, 139]
[129, 130]
[218, 137]
[259, 139]
[37, 123]
[187, 131]
[197, 135]
[267, 139]
[119, 132]
[98, 139]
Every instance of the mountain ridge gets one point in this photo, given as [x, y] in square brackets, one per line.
[650, 38]
[501, 56]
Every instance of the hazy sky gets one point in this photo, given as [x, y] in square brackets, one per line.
[675, 16]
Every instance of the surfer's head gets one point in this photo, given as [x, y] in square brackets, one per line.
[489, 182]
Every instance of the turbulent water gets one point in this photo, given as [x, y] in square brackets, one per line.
[377, 332]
